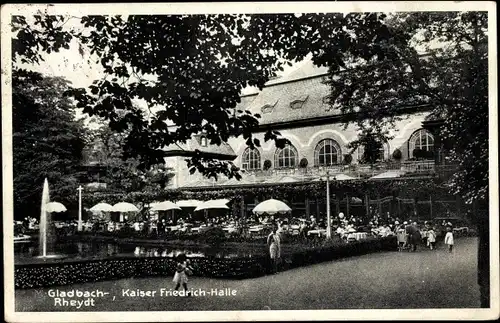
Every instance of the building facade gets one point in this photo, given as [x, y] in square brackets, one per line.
[297, 106]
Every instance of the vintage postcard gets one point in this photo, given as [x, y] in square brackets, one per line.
[250, 161]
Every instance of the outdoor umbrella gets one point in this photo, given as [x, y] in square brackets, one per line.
[55, 207]
[102, 207]
[343, 177]
[288, 179]
[389, 174]
[188, 203]
[125, 207]
[271, 206]
[164, 206]
[213, 204]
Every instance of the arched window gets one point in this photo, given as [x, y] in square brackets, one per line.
[286, 157]
[384, 152]
[327, 153]
[421, 139]
[250, 159]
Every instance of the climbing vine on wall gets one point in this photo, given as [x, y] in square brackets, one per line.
[404, 188]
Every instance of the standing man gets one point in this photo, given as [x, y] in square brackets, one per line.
[415, 237]
[274, 244]
[410, 230]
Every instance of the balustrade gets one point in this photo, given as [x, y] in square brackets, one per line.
[356, 170]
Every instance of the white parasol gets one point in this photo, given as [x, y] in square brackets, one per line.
[271, 206]
[188, 203]
[388, 174]
[125, 207]
[102, 207]
[164, 206]
[343, 177]
[213, 204]
[55, 207]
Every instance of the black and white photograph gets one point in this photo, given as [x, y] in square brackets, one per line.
[250, 161]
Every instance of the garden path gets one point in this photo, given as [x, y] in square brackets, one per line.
[380, 280]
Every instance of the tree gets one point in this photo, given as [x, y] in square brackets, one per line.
[123, 174]
[192, 68]
[451, 79]
[371, 141]
[47, 140]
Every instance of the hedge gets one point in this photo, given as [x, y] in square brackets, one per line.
[82, 271]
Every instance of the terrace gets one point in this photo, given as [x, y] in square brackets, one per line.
[386, 169]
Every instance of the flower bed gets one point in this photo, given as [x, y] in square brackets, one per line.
[335, 251]
[65, 273]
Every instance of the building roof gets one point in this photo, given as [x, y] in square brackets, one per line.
[222, 151]
[304, 69]
[299, 95]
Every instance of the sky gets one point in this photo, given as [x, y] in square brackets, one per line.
[81, 71]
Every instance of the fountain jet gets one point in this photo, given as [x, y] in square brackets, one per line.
[44, 219]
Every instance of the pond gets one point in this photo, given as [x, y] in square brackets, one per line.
[27, 252]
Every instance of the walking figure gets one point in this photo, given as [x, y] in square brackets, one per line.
[402, 238]
[182, 271]
[448, 239]
[431, 238]
[274, 244]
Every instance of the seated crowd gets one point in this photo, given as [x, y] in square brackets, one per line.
[348, 229]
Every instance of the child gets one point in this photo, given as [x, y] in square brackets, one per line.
[431, 238]
[181, 272]
[401, 236]
[448, 239]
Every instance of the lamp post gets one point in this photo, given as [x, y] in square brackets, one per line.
[80, 188]
[328, 215]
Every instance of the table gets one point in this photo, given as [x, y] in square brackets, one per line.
[230, 229]
[360, 235]
[318, 232]
[200, 228]
[256, 229]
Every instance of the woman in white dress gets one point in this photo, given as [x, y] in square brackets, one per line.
[181, 273]
[448, 239]
[274, 244]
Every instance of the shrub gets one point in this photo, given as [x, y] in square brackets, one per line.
[267, 164]
[347, 159]
[303, 163]
[397, 155]
[212, 236]
[126, 232]
[82, 271]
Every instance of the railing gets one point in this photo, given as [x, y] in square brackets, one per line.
[405, 169]
[359, 170]
[418, 166]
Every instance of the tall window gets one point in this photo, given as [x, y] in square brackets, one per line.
[327, 153]
[286, 157]
[421, 139]
[250, 159]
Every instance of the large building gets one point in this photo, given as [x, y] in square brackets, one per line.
[297, 106]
